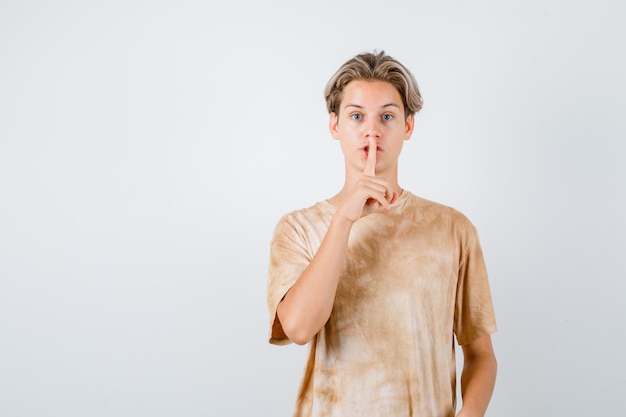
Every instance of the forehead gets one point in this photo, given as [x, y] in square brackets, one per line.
[370, 93]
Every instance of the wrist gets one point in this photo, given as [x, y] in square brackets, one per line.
[341, 220]
[465, 412]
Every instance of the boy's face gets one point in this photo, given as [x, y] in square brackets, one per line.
[371, 109]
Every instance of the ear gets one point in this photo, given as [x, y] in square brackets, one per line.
[333, 125]
[409, 125]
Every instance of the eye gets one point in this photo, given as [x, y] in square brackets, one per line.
[356, 116]
[387, 117]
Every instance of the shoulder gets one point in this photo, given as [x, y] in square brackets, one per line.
[312, 214]
[432, 211]
[305, 221]
[302, 230]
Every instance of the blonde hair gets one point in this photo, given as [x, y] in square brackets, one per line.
[374, 66]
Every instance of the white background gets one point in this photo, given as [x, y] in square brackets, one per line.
[147, 149]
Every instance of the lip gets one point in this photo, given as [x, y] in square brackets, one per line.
[366, 149]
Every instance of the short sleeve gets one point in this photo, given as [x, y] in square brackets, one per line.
[289, 257]
[474, 312]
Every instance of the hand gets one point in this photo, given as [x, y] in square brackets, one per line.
[370, 193]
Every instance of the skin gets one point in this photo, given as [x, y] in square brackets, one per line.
[478, 377]
[371, 116]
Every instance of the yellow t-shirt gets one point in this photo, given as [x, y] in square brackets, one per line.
[413, 278]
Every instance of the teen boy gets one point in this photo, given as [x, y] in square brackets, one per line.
[377, 280]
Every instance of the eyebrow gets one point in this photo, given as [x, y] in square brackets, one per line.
[361, 107]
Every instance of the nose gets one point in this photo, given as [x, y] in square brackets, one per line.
[372, 130]
[374, 133]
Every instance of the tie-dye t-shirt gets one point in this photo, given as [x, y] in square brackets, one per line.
[413, 278]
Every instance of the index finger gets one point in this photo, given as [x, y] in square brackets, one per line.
[370, 163]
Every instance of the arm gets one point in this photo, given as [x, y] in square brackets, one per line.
[306, 307]
[478, 377]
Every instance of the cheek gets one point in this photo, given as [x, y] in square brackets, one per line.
[343, 144]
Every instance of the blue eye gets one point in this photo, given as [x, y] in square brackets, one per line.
[356, 116]
[387, 116]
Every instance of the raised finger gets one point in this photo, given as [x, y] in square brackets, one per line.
[370, 163]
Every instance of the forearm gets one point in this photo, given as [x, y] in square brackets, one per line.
[307, 305]
[477, 384]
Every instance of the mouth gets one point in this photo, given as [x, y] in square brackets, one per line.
[366, 149]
